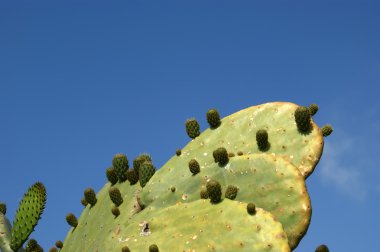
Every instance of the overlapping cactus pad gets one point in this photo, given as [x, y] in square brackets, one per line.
[271, 182]
[237, 186]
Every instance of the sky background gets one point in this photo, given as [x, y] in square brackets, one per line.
[83, 80]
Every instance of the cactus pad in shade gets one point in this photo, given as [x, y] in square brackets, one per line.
[192, 128]
[28, 214]
[269, 181]
[120, 163]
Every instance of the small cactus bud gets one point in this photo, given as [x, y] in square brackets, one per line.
[3, 208]
[303, 119]
[251, 208]
[153, 248]
[192, 128]
[137, 162]
[213, 118]
[221, 156]
[194, 166]
[53, 249]
[84, 202]
[115, 211]
[31, 245]
[262, 139]
[204, 194]
[115, 196]
[214, 191]
[240, 153]
[111, 175]
[313, 109]
[90, 196]
[121, 165]
[132, 176]
[125, 249]
[178, 152]
[59, 244]
[327, 130]
[322, 248]
[231, 192]
[231, 154]
[173, 188]
[72, 220]
[147, 170]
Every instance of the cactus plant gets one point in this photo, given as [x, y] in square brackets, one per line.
[171, 210]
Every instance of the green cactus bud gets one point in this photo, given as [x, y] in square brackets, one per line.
[137, 162]
[90, 196]
[147, 170]
[84, 202]
[221, 156]
[115, 196]
[213, 118]
[240, 153]
[192, 128]
[204, 194]
[120, 163]
[59, 244]
[132, 176]
[313, 109]
[303, 119]
[125, 249]
[178, 152]
[231, 154]
[214, 191]
[251, 208]
[39, 249]
[173, 188]
[153, 248]
[327, 130]
[194, 166]
[53, 249]
[72, 220]
[115, 211]
[3, 208]
[231, 192]
[322, 248]
[262, 140]
[31, 245]
[28, 214]
[111, 175]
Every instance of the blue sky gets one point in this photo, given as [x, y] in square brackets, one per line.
[83, 80]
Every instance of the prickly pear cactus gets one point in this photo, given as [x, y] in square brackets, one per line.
[237, 186]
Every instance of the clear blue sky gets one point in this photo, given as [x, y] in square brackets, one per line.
[83, 80]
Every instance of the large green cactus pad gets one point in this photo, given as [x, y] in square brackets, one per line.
[201, 226]
[28, 214]
[237, 132]
[271, 182]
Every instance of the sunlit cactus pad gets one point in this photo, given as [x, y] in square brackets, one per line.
[271, 182]
[237, 132]
[198, 226]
